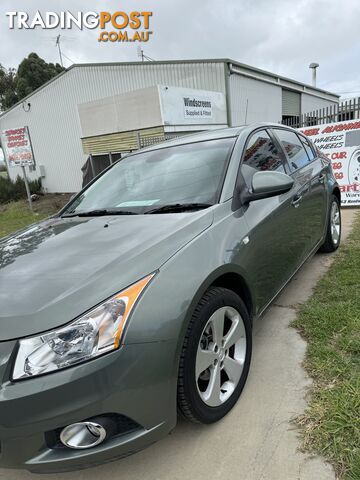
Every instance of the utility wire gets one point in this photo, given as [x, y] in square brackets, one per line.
[61, 53]
[142, 55]
[72, 61]
[148, 58]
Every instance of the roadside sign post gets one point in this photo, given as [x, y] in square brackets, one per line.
[27, 187]
[18, 152]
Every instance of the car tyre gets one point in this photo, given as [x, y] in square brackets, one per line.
[333, 231]
[208, 396]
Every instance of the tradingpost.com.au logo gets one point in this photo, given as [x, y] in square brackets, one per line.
[114, 27]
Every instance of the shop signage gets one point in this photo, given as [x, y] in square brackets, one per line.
[183, 106]
[341, 143]
[16, 145]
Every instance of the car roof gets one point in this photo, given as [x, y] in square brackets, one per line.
[197, 137]
[211, 135]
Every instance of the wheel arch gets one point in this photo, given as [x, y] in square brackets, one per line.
[236, 283]
[230, 277]
[336, 192]
[189, 401]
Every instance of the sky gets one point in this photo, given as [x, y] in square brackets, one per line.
[282, 36]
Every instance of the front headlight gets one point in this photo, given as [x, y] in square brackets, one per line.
[95, 333]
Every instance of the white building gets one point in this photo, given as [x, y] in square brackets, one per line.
[86, 109]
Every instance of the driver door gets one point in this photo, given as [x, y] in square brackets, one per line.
[272, 241]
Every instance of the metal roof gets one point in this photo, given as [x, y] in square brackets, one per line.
[210, 60]
[271, 76]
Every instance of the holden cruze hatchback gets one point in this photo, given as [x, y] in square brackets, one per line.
[137, 299]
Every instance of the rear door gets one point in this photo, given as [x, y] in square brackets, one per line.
[318, 190]
[272, 240]
[309, 200]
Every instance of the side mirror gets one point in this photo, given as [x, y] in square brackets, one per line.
[267, 184]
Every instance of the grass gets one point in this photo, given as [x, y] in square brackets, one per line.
[16, 215]
[330, 322]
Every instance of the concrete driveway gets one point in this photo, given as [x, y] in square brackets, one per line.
[256, 441]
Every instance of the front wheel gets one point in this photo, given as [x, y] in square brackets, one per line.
[215, 358]
[333, 232]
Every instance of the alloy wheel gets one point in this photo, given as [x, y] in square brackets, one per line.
[220, 356]
[335, 223]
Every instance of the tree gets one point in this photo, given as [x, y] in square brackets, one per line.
[8, 95]
[31, 74]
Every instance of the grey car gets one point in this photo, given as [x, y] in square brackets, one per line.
[137, 300]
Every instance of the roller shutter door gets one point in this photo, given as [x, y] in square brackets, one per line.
[291, 103]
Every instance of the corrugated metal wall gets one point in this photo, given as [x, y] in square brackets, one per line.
[253, 101]
[53, 118]
[309, 103]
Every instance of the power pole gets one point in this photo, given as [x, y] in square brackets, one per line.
[59, 48]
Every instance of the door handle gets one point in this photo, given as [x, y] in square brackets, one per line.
[296, 200]
[322, 177]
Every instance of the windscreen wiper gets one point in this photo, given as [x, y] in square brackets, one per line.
[179, 207]
[97, 213]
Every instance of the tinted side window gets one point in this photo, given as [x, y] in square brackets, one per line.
[308, 148]
[294, 148]
[260, 154]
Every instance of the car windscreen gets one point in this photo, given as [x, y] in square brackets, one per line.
[181, 174]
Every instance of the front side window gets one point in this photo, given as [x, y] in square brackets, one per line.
[191, 173]
[260, 154]
[294, 149]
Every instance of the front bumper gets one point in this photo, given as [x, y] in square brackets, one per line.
[137, 381]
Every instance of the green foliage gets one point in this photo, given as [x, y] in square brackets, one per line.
[330, 321]
[31, 74]
[17, 215]
[8, 95]
[10, 190]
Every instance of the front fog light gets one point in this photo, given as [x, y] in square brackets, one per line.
[95, 333]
